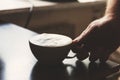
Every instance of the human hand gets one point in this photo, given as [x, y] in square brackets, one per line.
[100, 39]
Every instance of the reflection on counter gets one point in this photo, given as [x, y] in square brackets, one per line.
[94, 71]
[41, 72]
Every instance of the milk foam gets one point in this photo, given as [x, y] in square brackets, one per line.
[51, 40]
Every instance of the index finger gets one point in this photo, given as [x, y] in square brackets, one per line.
[86, 35]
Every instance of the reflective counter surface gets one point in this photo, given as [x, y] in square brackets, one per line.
[18, 63]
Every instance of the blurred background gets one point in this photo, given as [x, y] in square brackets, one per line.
[68, 17]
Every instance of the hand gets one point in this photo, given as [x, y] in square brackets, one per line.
[98, 40]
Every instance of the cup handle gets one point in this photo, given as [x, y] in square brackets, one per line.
[71, 56]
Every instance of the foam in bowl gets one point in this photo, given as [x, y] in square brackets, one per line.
[51, 40]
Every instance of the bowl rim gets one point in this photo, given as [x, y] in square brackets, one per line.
[67, 44]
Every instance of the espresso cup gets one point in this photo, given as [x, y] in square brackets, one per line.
[50, 49]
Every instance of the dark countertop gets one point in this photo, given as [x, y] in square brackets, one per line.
[18, 63]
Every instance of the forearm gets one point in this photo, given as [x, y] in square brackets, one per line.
[113, 8]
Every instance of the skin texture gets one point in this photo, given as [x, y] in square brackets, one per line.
[101, 37]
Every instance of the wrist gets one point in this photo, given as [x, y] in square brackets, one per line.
[112, 15]
[113, 8]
